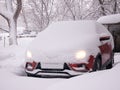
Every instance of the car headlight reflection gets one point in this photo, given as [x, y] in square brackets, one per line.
[80, 54]
[29, 54]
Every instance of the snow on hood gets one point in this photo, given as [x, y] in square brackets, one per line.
[65, 37]
[110, 19]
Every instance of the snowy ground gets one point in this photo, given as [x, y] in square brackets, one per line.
[12, 75]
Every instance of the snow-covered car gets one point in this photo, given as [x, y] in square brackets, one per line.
[70, 48]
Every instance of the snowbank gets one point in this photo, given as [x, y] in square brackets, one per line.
[110, 19]
[9, 81]
[13, 57]
[101, 80]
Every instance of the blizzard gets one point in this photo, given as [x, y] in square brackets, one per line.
[13, 77]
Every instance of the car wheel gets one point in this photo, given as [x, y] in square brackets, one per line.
[97, 64]
[110, 65]
[29, 75]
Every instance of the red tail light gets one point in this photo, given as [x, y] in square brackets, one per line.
[31, 65]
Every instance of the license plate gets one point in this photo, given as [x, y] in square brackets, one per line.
[52, 65]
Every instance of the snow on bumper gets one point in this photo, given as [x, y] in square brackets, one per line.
[57, 69]
[43, 73]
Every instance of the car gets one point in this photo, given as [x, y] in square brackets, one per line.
[70, 48]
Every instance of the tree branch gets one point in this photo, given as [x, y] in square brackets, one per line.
[19, 7]
[102, 7]
[4, 30]
[4, 15]
[70, 9]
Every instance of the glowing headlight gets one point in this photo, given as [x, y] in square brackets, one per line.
[29, 54]
[81, 54]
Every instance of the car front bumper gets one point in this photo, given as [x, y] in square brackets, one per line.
[68, 69]
[53, 74]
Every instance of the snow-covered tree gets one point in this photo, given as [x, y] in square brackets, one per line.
[39, 13]
[73, 9]
[104, 7]
[11, 13]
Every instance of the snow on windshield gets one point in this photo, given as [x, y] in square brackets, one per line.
[71, 27]
[66, 33]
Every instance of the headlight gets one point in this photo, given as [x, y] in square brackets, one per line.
[80, 54]
[29, 54]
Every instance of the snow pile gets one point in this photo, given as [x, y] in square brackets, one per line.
[101, 80]
[13, 57]
[110, 19]
[9, 81]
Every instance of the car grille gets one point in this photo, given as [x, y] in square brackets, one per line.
[53, 69]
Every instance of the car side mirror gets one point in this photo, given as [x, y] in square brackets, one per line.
[104, 38]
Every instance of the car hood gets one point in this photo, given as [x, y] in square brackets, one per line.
[59, 51]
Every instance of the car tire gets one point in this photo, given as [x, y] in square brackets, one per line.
[30, 75]
[97, 64]
[110, 65]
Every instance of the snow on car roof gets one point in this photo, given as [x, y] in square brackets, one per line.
[66, 35]
[110, 19]
[70, 28]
